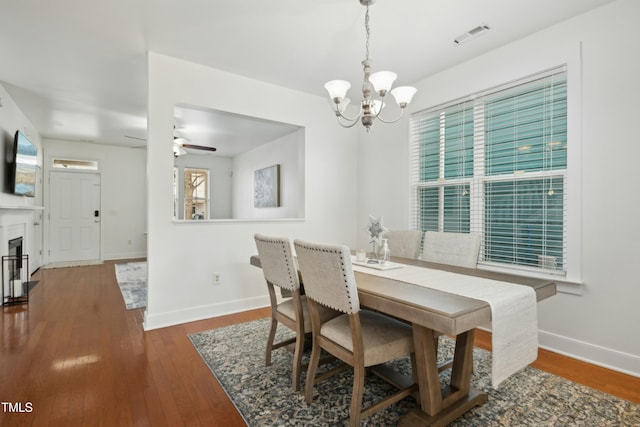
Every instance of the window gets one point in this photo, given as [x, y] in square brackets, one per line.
[496, 165]
[196, 193]
[70, 164]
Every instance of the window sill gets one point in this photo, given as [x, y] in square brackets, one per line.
[566, 287]
[563, 285]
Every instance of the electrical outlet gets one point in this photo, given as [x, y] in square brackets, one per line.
[217, 278]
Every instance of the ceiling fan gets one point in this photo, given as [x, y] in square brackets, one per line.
[181, 142]
[179, 145]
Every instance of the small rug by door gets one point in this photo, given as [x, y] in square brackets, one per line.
[66, 264]
[132, 280]
[263, 394]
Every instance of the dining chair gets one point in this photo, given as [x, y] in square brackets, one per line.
[280, 269]
[458, 249]
[404, 243]
[359, 338]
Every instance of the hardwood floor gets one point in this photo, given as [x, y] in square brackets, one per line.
[74, 356]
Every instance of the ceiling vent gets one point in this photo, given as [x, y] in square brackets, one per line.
[471, 34]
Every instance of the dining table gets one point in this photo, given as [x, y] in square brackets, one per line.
[435, 312]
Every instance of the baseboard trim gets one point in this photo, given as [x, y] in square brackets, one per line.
[171, 318]
[597, 355]
[125, 255]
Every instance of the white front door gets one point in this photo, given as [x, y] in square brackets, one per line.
[74, 206]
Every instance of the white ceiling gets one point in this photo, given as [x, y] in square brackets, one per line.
[77, 69]
[231, 134]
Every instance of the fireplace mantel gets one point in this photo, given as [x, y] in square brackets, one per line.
[21, 208]
[17, 221]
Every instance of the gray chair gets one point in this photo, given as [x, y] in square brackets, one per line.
[458, 249]
[279, 269]
[360, 338]
[404, 243]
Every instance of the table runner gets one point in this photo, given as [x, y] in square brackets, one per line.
[514, 319]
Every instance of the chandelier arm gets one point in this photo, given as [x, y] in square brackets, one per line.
[350, 125]
[393, 120]
[355, 119]
[381, 99]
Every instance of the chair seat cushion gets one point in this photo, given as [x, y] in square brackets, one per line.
[383, 338]
[286, 308]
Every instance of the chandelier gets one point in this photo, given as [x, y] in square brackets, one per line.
[377, 83]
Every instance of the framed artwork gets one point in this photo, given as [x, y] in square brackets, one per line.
[266, 187]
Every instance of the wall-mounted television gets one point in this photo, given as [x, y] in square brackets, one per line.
[23, 167]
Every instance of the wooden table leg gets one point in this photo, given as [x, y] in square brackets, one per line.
[439, 406]
[428, 379]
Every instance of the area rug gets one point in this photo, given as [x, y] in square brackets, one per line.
[263, 394]
[67, 264]
[132, 280]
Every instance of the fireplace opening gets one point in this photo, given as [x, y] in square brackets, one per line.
[15, 278]
[15, 254]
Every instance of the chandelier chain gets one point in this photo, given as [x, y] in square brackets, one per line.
[366, 26]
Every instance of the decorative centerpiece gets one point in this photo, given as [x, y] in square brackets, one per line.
[376, 229]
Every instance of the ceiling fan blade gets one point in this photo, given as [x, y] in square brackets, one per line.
[199, 147]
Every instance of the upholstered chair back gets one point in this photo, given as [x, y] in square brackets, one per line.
[459, 249]
[278, 263]
[404, 243]
[328, 276]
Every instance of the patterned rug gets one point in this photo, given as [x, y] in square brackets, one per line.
[263, 394]
[132, 279]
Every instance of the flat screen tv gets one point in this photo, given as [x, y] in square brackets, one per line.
[23, 168]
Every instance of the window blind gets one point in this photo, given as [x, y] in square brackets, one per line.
[496, 165]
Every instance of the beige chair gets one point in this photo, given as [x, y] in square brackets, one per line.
[459, 249]
[404, 243]
[279, 268]
[360, 338]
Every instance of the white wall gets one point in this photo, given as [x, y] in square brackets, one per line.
[283, 151]
[183, 256]
[603, 66]
[123, 194]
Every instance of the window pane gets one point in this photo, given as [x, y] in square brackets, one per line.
[456, 212]
[456, 208]
[458, 142]
[429, 148]
[527, 130]
[523, 222]
[196, 193]
[428, 208]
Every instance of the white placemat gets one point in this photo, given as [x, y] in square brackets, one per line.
[514, 318]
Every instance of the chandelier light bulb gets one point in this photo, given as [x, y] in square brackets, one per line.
[343, 105]
[337, 89]
[377, 107]
[403, 95]
[382, 81]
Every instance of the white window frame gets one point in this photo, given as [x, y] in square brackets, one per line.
[571, 280]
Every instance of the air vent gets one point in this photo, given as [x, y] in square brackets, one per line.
[471, 34]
